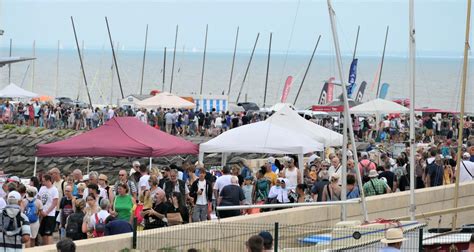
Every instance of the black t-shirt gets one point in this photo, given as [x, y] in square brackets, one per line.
[245, 120]
[390, 176]
[235, 122]
[153, 221]
[201, 118]
[231, 195]
[66, 209]
[318, 188]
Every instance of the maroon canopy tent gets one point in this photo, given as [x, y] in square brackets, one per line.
[119, 137]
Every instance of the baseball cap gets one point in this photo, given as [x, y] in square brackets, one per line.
[14, 195]
[14, 179]
[466, 155]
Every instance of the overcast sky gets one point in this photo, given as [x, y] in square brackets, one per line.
[440, 24]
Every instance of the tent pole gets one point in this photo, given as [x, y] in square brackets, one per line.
[301, 166]
[223, 159]
[36, 164]
[201, 158]
[88, 165]
[151, 161]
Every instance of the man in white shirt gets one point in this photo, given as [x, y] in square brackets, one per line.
[143, 182]
[49, 196]
[94, 180]
[110, 113]
[222, 181]
[467, 169]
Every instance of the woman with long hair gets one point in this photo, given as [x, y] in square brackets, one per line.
[332, 191]
[177, 212]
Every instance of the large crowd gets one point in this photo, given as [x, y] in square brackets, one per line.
[85, 206]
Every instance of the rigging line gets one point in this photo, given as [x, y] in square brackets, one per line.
[287, 50]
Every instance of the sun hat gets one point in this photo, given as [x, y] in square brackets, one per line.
[373, 174]
[393, 235]
[14, 195]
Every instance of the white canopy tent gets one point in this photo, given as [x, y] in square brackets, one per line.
[379, 106]
[279, 106]
[261, 137]
[14, 91]
[291, 120]
[165, 100]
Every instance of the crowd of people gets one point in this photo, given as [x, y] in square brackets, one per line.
[85, 206]
[391, 128]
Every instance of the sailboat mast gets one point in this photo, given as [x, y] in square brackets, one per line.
[115, 58]
[346, 107]
[357, 41]
[57, 70]
[82, 64]
[248, 66]
[461, 116]
[143, 63]
[381, 65]
[10, 65]
[412, 66]
[233, 61]
[203, 61]
[164, 69]
[268, 70]
[174, 58]
[34, 67]
[307, 70]
[80, 82]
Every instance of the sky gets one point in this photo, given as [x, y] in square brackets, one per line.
[440, 24]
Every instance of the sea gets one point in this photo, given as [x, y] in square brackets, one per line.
[438, 79]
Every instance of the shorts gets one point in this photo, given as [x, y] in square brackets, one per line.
[47, 226]
[34, 227]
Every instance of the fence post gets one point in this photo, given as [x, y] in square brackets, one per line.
[420, 240]
[275, 239]
[134, 237]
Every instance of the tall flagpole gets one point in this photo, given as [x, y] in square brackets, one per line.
[412, 55]
[346, 108]
[34, 67]
[461, 116]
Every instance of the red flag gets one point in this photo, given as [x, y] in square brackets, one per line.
[286, 90]
[330, 91]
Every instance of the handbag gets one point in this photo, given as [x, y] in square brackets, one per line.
[174, 219]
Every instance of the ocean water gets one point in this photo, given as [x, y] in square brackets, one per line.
[438, 80]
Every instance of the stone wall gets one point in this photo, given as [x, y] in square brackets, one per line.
[18, 147]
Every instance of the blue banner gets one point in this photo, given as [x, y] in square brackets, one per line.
[352, 78]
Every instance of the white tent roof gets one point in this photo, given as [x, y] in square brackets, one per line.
[379, 106]
[290, 120]
[165, 100]
[14, 91]
[261, 137]
[279, 106]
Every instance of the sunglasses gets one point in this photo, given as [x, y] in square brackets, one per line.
[121, 175]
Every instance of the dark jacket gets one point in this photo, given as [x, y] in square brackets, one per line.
[169, 187]
[194, 190]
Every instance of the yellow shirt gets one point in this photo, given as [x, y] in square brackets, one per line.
[271, 176]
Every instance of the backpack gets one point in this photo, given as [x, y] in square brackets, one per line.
[365, 171]
[99, 227]
[74, 226]
[10, 226]
[31, 211]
